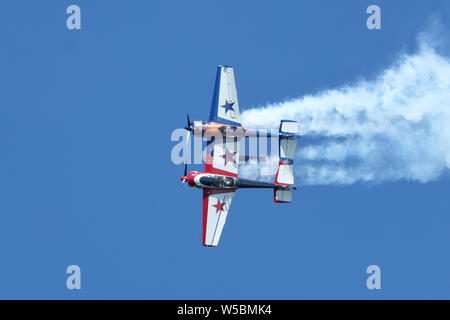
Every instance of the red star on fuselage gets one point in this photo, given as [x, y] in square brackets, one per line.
[219, 206]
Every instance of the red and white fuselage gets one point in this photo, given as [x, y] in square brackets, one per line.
[205, 180]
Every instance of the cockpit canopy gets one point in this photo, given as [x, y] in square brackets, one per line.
[219, 181]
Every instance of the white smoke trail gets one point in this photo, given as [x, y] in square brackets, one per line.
[395, 127]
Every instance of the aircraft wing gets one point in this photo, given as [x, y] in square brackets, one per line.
[222, 156]
[225, 106]
[216, 203]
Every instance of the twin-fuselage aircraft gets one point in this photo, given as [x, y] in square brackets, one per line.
[220, 179]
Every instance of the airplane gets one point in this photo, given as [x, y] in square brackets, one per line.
[219, 179]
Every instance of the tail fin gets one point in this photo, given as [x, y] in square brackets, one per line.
[285, 173]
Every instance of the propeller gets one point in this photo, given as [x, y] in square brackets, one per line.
[189, 129]
[189, 126]
[184, 177]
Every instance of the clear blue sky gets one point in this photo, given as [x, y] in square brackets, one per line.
[86, 176]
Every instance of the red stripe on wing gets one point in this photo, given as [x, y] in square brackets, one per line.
[205, 215]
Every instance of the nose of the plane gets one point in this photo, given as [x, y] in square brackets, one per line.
[184, 178]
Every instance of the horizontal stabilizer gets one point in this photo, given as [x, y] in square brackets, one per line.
[285, 174]
[284, 177]
[289, 127]
[282, 195]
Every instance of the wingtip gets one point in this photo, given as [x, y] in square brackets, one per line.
[209, 245]
[224, 66]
